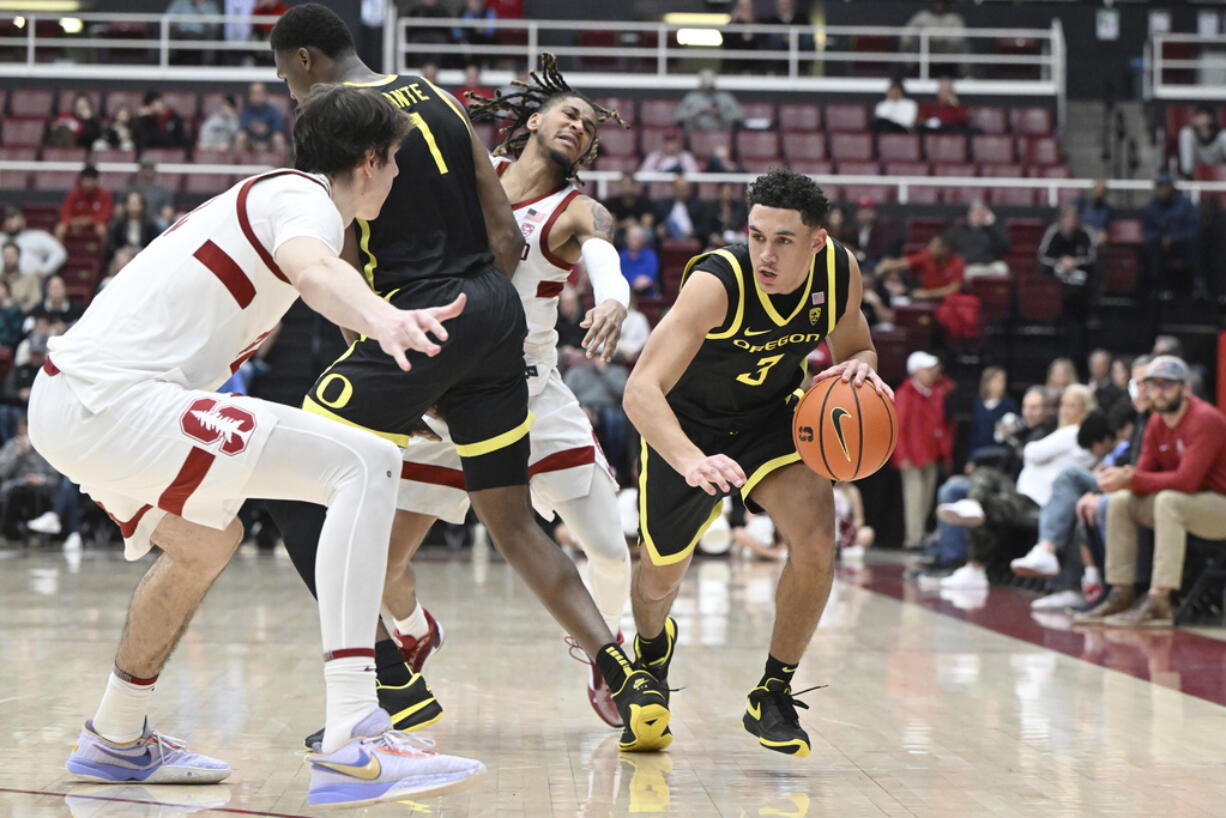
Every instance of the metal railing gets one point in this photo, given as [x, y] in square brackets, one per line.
[1200, 76]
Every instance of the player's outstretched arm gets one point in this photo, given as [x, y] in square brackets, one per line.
[701, 306]
[851, 343]
[337, 291]
[591, 228]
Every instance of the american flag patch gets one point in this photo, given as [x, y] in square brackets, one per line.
[819, 298]
[533, 215]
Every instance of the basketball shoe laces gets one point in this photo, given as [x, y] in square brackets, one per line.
[402, 743]
[165, 745]
[580, 655]
[787, 702]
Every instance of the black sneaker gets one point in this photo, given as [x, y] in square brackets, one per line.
[643, 704]
[658, 667]
[412, 706]
[771, 716]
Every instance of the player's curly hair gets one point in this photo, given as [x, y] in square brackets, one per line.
[543, 88]
[311, 24]
[788, 190]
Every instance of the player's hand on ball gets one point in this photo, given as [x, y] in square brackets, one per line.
[406, 329]
[715, 474]
[604, 326]
[856, 372]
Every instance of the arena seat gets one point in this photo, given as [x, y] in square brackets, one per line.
[620, 164]
[761, 112]
[186, 104]
[1122, 268]
[114, 181]
[208, 156]
[898, 148]
[924, 194]
[24, 153]
[858, 168]
[1039, 150]
[68, 95]
[658, 113]
[995, 294]
[954, 169]
[916, 319]
[207, 183]
[906, 168]
[804, 145]
[1030, 120]
[1039, 298]
[851, 146]
[989, 119]
[1125, 231]
[844, 117]
[799, 116]
[614, 140]
[58, 180]
[652, 139]
[1013, 196]
[22, 131]
[945, 147]
[118, 98]
[64, 155]
[703, 144]
[813, 167]
[991, 149]
[878, 193]
[30, 102]
[757, 145]
[920, 229]
[163, 155]
[1024, 235]
[1009, 171]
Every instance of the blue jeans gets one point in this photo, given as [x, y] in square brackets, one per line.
[1057, 518]
[951, 539]
[68, 506]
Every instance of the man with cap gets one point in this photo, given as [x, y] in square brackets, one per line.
[1178, 487]
[1171, 227]
[41, 254]
[924, 438]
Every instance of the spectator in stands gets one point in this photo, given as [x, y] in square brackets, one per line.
[15, 395]
[132, 227]
[1067, 251]
[570, 334]
[25, 289]
[86, 208]
[260, 126]
[630, 207]
[477, 35]
[1106, 392]
[64, 516]
[119, 133]
[682, 216]
[937, 270]
[896, 113]
[993, 498]
[196, 29]
[1178, 487]
[721, 161]
[116, 264]
[839, 229]
[635, 331]
[76, 128]
[727, 216]
[947, 114]
[598, 386]
[924, 439]
[670, 157]
[473, 85]
[11, 318]
[1201, 142]
[27, 482]
[220, 129]
[1170, 223]
[1061, 373]
[640, 265]
[876, 238]
[57, 306]
[158, 125]
[951, 39]
[707, 108]
[158, 201]
[734, 41]
[993, 404]
[787, 15]
[981, 242]
[874, 306]
[1095, 212]
[41, 254]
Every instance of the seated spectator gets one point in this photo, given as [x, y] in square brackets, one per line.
[896, 113]
[1120, 369]
[195, 29]
[994, 501]
[570, 333]
[670, 157]
[635, 331]
[993, 404]
[876, 238]
[41, 254]
[951, 39]
[26, 290]
[706, 108]
[947, 114]
[15, 395]
[873, 304]
[720, 161]
[787, 15]
[64, 516]
[1061, 373]
[981, 242]
[27, 482]
[473, 85]
[1178, 487]
[158, 125]
[477, 35]
[220, 129]
[57, 306]
[77, 128]
[119, 133]
[12, 318]
[86, 208]
[734, 41]
[598, 386]
[158, 201]
[260, 126]
[132, 227]
[925, 439]
[1171, 224]
[1201, 142]
[727, 217]
[1067, 252]
[936, 269]
[1106, 393]
[1095, 212]
[640, 265]
[838, 228]
[681, 216]
[629, 207]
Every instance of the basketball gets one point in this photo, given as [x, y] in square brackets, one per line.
[842, 432]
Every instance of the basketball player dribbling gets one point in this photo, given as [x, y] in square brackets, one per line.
[430, 243]
[711, 396]
[124, 407]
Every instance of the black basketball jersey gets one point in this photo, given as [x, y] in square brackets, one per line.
[755, 358]
[431, 225]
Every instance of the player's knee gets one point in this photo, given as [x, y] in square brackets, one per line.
[813, 552]
[656, 582]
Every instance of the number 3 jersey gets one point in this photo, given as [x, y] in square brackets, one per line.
[754, 359]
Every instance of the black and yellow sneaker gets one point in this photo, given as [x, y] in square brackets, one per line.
[771, 716]
[412, 706]
[643, 704]
[657, 665]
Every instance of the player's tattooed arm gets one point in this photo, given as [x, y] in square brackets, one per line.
[602, 221]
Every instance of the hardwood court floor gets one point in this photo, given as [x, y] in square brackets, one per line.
[930, 710]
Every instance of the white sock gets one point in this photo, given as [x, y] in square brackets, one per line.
[596, 522]
[1092, 577]
[350, 683]
[609, 581]
[415, 624]
[121, 713]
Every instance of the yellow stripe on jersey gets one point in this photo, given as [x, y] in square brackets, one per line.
[779, 320]
[765, 469]
[375, 83]
[652, 554]
[497, 442]
[447, 99]
[735, 326]
[315, 409]
[832, 297]
[364, 244]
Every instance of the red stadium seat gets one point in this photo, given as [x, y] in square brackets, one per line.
[674, 255]
[1126, 231]
[113, 155]
[186, 104]
[813, 167]
[625, 107]
[23, 132]
[207, 183]
[114, 181]
[906, 168]
[652, 139]
[54, 179]
[27, 153]
[210, 101]
[878, 193]
[920, 230]
[162, 155]
[659, 191]
[846, 117]
[15, 180]
[1039, 150]
[1049, 172]
[1001, 171]
[1122, 267]
[804, 145]
[704, 143]
[116, 99]
[858, 168]
[760, 112]
[1036, 121]
[763, 165]
[898, 148]
[800, 116]
[29, 102]
[1039, 298]
[757, 145]
[1024, 235]
[615, 140]
[993, 149]
[64, 155]
[892, 352]
[69, 95]
[1017, 196]
[4, 99]
[995, 293]
[710, 190]
[954, 169]
[619, 164]
[924, 194]
[282, 103]
[653, 309]
[658, 113]
[41, 216]
[945, 147]
[851, 146]
[205, 156]
[962, 195]
[989, 119]
[917, 321]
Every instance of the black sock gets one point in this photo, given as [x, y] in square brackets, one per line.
[652, 650]
[390, 665]
[613, 665]
[779, 672]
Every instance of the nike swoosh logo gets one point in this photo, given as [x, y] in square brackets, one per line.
[836, 417]
[756, 332]
[368, 770]
[755, 710]
[789, 669]
[140, 761]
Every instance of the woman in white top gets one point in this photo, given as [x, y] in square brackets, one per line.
[896, 113]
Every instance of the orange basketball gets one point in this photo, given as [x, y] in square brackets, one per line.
[842, 432]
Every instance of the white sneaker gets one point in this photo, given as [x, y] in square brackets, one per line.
[72, 542]
[1058, 601]
[964, 512]
[1038, 562]
[853, 554]
[46, 523]
[967, 599]
[966, 578]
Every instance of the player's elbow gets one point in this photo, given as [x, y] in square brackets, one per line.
[635, 397]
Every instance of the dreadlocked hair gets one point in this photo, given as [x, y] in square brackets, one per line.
[530, 97]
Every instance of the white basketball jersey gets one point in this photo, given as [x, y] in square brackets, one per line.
[196, 303]
[541, 274]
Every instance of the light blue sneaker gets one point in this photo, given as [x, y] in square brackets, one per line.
[153, 758]
[382, 764]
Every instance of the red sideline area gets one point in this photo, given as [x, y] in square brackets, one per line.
[1174, 658]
